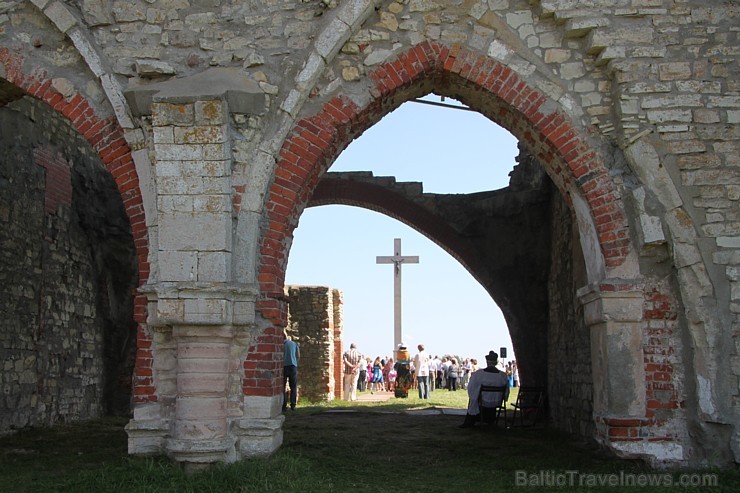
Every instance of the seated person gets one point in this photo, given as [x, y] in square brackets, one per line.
[490, 375]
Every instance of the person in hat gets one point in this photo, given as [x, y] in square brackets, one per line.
[403, 372]
[490, 375]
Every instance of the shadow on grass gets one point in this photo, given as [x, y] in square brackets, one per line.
[362, 448]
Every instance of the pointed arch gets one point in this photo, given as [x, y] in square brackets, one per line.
[455, 71]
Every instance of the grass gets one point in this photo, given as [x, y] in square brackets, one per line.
[328, 447]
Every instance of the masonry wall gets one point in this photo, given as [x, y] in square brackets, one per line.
[338, 304]
[577, 79]
[315, 323]
[570, 392]
[65, 334]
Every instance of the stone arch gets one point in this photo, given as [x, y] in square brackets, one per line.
[498, 219]
[705, 368]
[391, 204]
[106, 138]
[457, 72]
[464, 74]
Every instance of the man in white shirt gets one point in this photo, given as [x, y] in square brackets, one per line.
[421, 364]
[490, 375]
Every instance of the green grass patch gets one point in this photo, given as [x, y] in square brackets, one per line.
[334, 447]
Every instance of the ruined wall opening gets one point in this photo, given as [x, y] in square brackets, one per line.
[411, 147]
[518, 243]
[545, 131]
[69, 270]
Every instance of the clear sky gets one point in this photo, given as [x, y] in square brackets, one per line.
[449, 151]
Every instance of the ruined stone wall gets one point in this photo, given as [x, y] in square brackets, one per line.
[52, 344]
[315, 324]
[631, 105]
[570, 392]
[336, 361]
[66, 335]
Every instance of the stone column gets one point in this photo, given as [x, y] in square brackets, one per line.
[193, 168]
[204, 316]
[200, 432]
[613, 311]
[614, 318]
[205, 323]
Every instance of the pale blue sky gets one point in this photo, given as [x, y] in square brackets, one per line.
[449, 151]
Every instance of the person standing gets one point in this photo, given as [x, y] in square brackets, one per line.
[403, 370]
[291, 355]
[445, 369]
[377, 380]
[421, 363]
[467, 366]
[362, 378]
[453, 373]
[432, 375]
[352, 360]
[387, 365]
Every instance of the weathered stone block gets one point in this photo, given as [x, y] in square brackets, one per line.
[259, 440]
[169, 310]
[207, 311]
[257, 407]
[178, 152]
[60, 16]
[214, 266]
[200, 382]
[202, 232]
[244, 312]
[211, 203]
[191, 408]
[200, 135]
[200, 430]
[211, 112]
[216, 152]
[207, 349]
[654, 174]
[177, 266]
[674, 71]
[662, 116]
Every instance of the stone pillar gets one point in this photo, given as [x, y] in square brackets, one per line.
[200, 426]
[613, 311]
[205, 318]
[338, 366]
[313, 324]
[201, 327]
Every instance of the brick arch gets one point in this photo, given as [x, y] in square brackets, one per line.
[455, 71]
[106, 138]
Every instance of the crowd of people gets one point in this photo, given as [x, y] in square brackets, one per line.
[421, 372]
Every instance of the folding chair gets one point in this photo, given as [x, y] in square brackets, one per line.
[493, 405]
[530, 402]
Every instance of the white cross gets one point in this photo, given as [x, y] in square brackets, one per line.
[397, 259]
